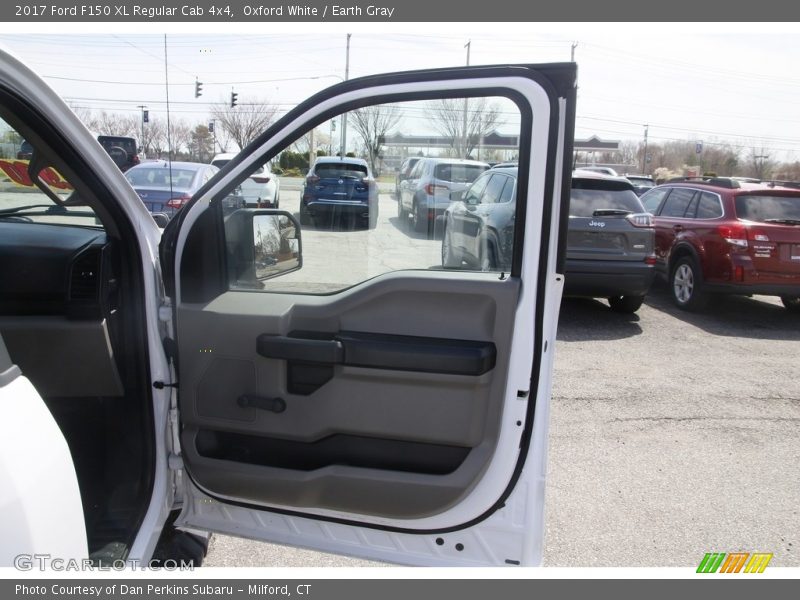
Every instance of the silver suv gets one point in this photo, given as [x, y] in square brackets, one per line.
[425, 195]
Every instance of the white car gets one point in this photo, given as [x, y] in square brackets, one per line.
[194, 380]
[260, 190]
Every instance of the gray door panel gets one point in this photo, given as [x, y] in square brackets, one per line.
[386, 441]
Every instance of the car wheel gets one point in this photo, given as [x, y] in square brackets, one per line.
[305, 218]
[792, 303]
[625, 304]
[686, 285]
[449, 257]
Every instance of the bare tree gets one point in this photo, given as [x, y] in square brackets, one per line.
[372, 123]
[180, 137]
[465, 121]
[116, 124]
[244, 123]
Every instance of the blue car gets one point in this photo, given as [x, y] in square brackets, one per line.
[337, 188]
[164, 190]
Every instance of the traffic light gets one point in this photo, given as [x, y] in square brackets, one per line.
[198, 88]
[211, 127]
[234, 98]
[145, 116]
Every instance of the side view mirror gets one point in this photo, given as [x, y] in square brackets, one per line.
[457, 196]
[276, 243]
[262, 244]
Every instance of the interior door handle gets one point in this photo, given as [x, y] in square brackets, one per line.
[300, 349]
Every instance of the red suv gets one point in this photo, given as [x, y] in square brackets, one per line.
[723, 236]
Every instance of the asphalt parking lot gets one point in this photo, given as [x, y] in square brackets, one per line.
[672, 435]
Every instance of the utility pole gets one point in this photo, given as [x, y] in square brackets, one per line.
[468, 46]
[644, 158]
[572, 52]
[344, 116]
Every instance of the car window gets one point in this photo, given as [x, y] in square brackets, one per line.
[508, 190]
[652, 200]
[692, 208]
[588, 196]
[709, 206]
[20, 199]
[677, 202]
[354, 230]
[494, 189]
[340, 170]
[765, 208]
[473, 194]
[458, 173]
[160, 177]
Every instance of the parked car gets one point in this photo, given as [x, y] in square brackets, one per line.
[479, 223]
[260, 190]
[123, 150]
[337, 188]
[609, 242]
[425, 195]
[403, 172]
[641, 183]
[724, 236]
[165, 189]
[156, 383]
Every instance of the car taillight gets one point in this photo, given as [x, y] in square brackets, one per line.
[640, 219]
[312, 179]
[650, 260]
[178, 202]
[433, 189]
[260, 179]
[735, 235]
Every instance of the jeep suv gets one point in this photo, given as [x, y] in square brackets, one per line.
[723, 236]
[121, 149]
[609, 242]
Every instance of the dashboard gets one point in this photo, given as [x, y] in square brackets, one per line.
[59, 307]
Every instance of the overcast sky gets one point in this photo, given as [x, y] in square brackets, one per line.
[738, 85]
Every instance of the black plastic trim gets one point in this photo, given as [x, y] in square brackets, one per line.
[336, 449]
[383, 351]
